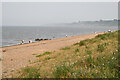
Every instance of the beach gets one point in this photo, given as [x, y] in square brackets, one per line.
[18, 56]
[59, 40]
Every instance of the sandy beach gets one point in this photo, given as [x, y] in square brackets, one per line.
[18, 56]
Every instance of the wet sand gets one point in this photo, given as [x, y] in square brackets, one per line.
[18, 56]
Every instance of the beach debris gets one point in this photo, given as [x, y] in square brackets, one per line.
[30, 41]
[109, 31]
[66, 35]
[41, 39]
[38, 39]
[22, 41]
[4, 50]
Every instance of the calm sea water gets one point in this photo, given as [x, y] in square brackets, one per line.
[13, 35]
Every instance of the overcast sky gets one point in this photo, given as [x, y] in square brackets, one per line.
[44, 13]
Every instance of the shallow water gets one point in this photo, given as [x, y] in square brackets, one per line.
[13, 35]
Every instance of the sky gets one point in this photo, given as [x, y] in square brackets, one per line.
[119, 10]
[60, 0]
[45, 13]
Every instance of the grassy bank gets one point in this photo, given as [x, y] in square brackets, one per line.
[91, 58]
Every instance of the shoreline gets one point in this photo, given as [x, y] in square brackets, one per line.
[26, 41]
[18, 56]
[47, 40]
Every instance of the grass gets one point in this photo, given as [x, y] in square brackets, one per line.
[100, 48]
[47, 58]
[45, 53]
[82, 43]
[0, 59]
[66, 48]
[106, 36]
[33, 54]
[77, 50]
[104, 66]
[61, 71]
[31, 72]
[91, 58]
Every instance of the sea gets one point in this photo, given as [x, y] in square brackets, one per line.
[12, 35]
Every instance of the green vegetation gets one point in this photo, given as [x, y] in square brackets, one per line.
[33, 54]
[77, 50]
[0, 59]
[101, 48]
[62, 71]
[91, 58]
[66, 48]
[45, 53]
[89, 52]
[82, 43]
[30, 72]
[47, 58]
[107, 36]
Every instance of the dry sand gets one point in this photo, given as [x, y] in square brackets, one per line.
[16, 57]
